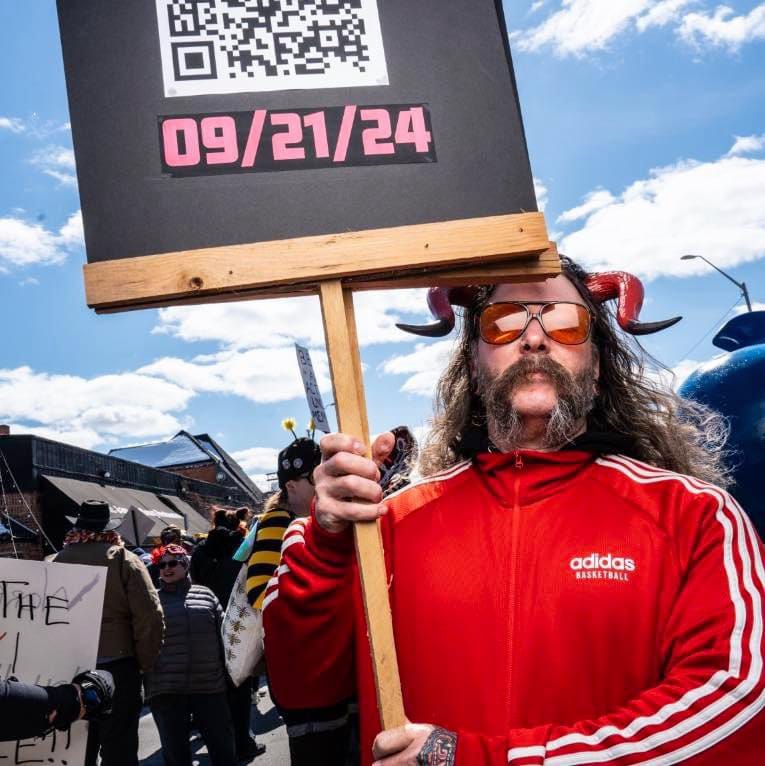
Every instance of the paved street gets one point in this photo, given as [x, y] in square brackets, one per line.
[266, 724]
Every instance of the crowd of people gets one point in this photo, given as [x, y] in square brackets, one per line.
[160, 638]
[569, 581]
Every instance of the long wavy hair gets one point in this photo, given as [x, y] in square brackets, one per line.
[658, 426]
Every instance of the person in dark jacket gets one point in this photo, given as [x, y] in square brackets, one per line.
[189, 677]
[213, 566]
[212, 563]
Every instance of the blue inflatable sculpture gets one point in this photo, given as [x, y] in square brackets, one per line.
[734, 384]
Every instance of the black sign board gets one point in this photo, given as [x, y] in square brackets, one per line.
[203, 124]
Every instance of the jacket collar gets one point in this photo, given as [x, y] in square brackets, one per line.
[175, 587]
[476, 440]
[524, 477]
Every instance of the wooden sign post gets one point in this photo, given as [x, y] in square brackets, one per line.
[233, 150]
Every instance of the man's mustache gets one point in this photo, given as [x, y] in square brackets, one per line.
[519, 372]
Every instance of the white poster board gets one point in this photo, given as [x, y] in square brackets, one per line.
[312, 393]
[50, 618]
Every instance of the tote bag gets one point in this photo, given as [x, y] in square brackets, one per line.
[242, 632]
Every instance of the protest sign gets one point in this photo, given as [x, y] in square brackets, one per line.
[240, 146]
[312, 393]
[50, 618]
[233, 148]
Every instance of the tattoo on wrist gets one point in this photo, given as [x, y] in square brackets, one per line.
[439, 749]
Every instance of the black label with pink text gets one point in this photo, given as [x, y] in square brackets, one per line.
[267, 140]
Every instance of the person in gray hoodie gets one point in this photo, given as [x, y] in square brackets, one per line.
[189, 677]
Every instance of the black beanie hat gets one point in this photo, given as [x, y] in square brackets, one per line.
[297, 459]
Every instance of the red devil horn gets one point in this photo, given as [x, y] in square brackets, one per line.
[628, 290]
[440, 301]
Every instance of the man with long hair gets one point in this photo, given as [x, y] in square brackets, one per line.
[569, 583]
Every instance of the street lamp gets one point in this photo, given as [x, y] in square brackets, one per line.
[741, 285]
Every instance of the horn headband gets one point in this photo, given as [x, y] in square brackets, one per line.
[605, 286]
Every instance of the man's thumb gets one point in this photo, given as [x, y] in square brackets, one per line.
[382, 446]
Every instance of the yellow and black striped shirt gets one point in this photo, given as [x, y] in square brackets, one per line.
[265, 555]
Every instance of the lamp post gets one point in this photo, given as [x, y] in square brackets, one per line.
[741, 285]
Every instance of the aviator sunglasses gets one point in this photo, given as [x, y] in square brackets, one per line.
[562, 321]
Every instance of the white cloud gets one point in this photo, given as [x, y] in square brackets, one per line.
[100, 410]
[278, 323]
[714, 208]
[423, 366]
[540, 190]
[79, 437]
[246, 324]
[262, 375]
[257, 359]
[661, 14]
[722, 28]
[56, 162]
[756, 306]
[681, 371]
[595, 200]
[257, 463]
[71, 234]
[25, 244]
[536, 5]
[748, 144]
[579, 27]
[674, 377]
[257, 459]
[64, 179]
[13, 124]
[54, 156]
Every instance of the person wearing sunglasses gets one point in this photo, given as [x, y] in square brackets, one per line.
[188, 679]
[569, 581]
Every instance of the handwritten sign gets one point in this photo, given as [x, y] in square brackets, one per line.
[49, 626]
[312, 393]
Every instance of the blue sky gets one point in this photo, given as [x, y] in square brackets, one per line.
[646, 131]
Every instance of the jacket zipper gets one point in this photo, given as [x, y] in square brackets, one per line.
[514, 564]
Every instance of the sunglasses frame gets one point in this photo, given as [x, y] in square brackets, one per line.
[169, 564]
[535, 315]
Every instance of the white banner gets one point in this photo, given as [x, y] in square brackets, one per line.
[50, 620]
[312, 393]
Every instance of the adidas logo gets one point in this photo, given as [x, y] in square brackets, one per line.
[599, 567]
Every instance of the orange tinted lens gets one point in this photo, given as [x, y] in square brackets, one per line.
[502, 322]
[567, 323]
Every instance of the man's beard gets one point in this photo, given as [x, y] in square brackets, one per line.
[575, 398]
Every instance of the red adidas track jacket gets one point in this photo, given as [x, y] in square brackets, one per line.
[551, 608]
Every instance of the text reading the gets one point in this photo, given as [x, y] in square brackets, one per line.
[263, 140]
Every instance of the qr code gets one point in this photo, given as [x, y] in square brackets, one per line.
[238, 46]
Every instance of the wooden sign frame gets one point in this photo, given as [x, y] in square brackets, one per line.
[160, 280]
